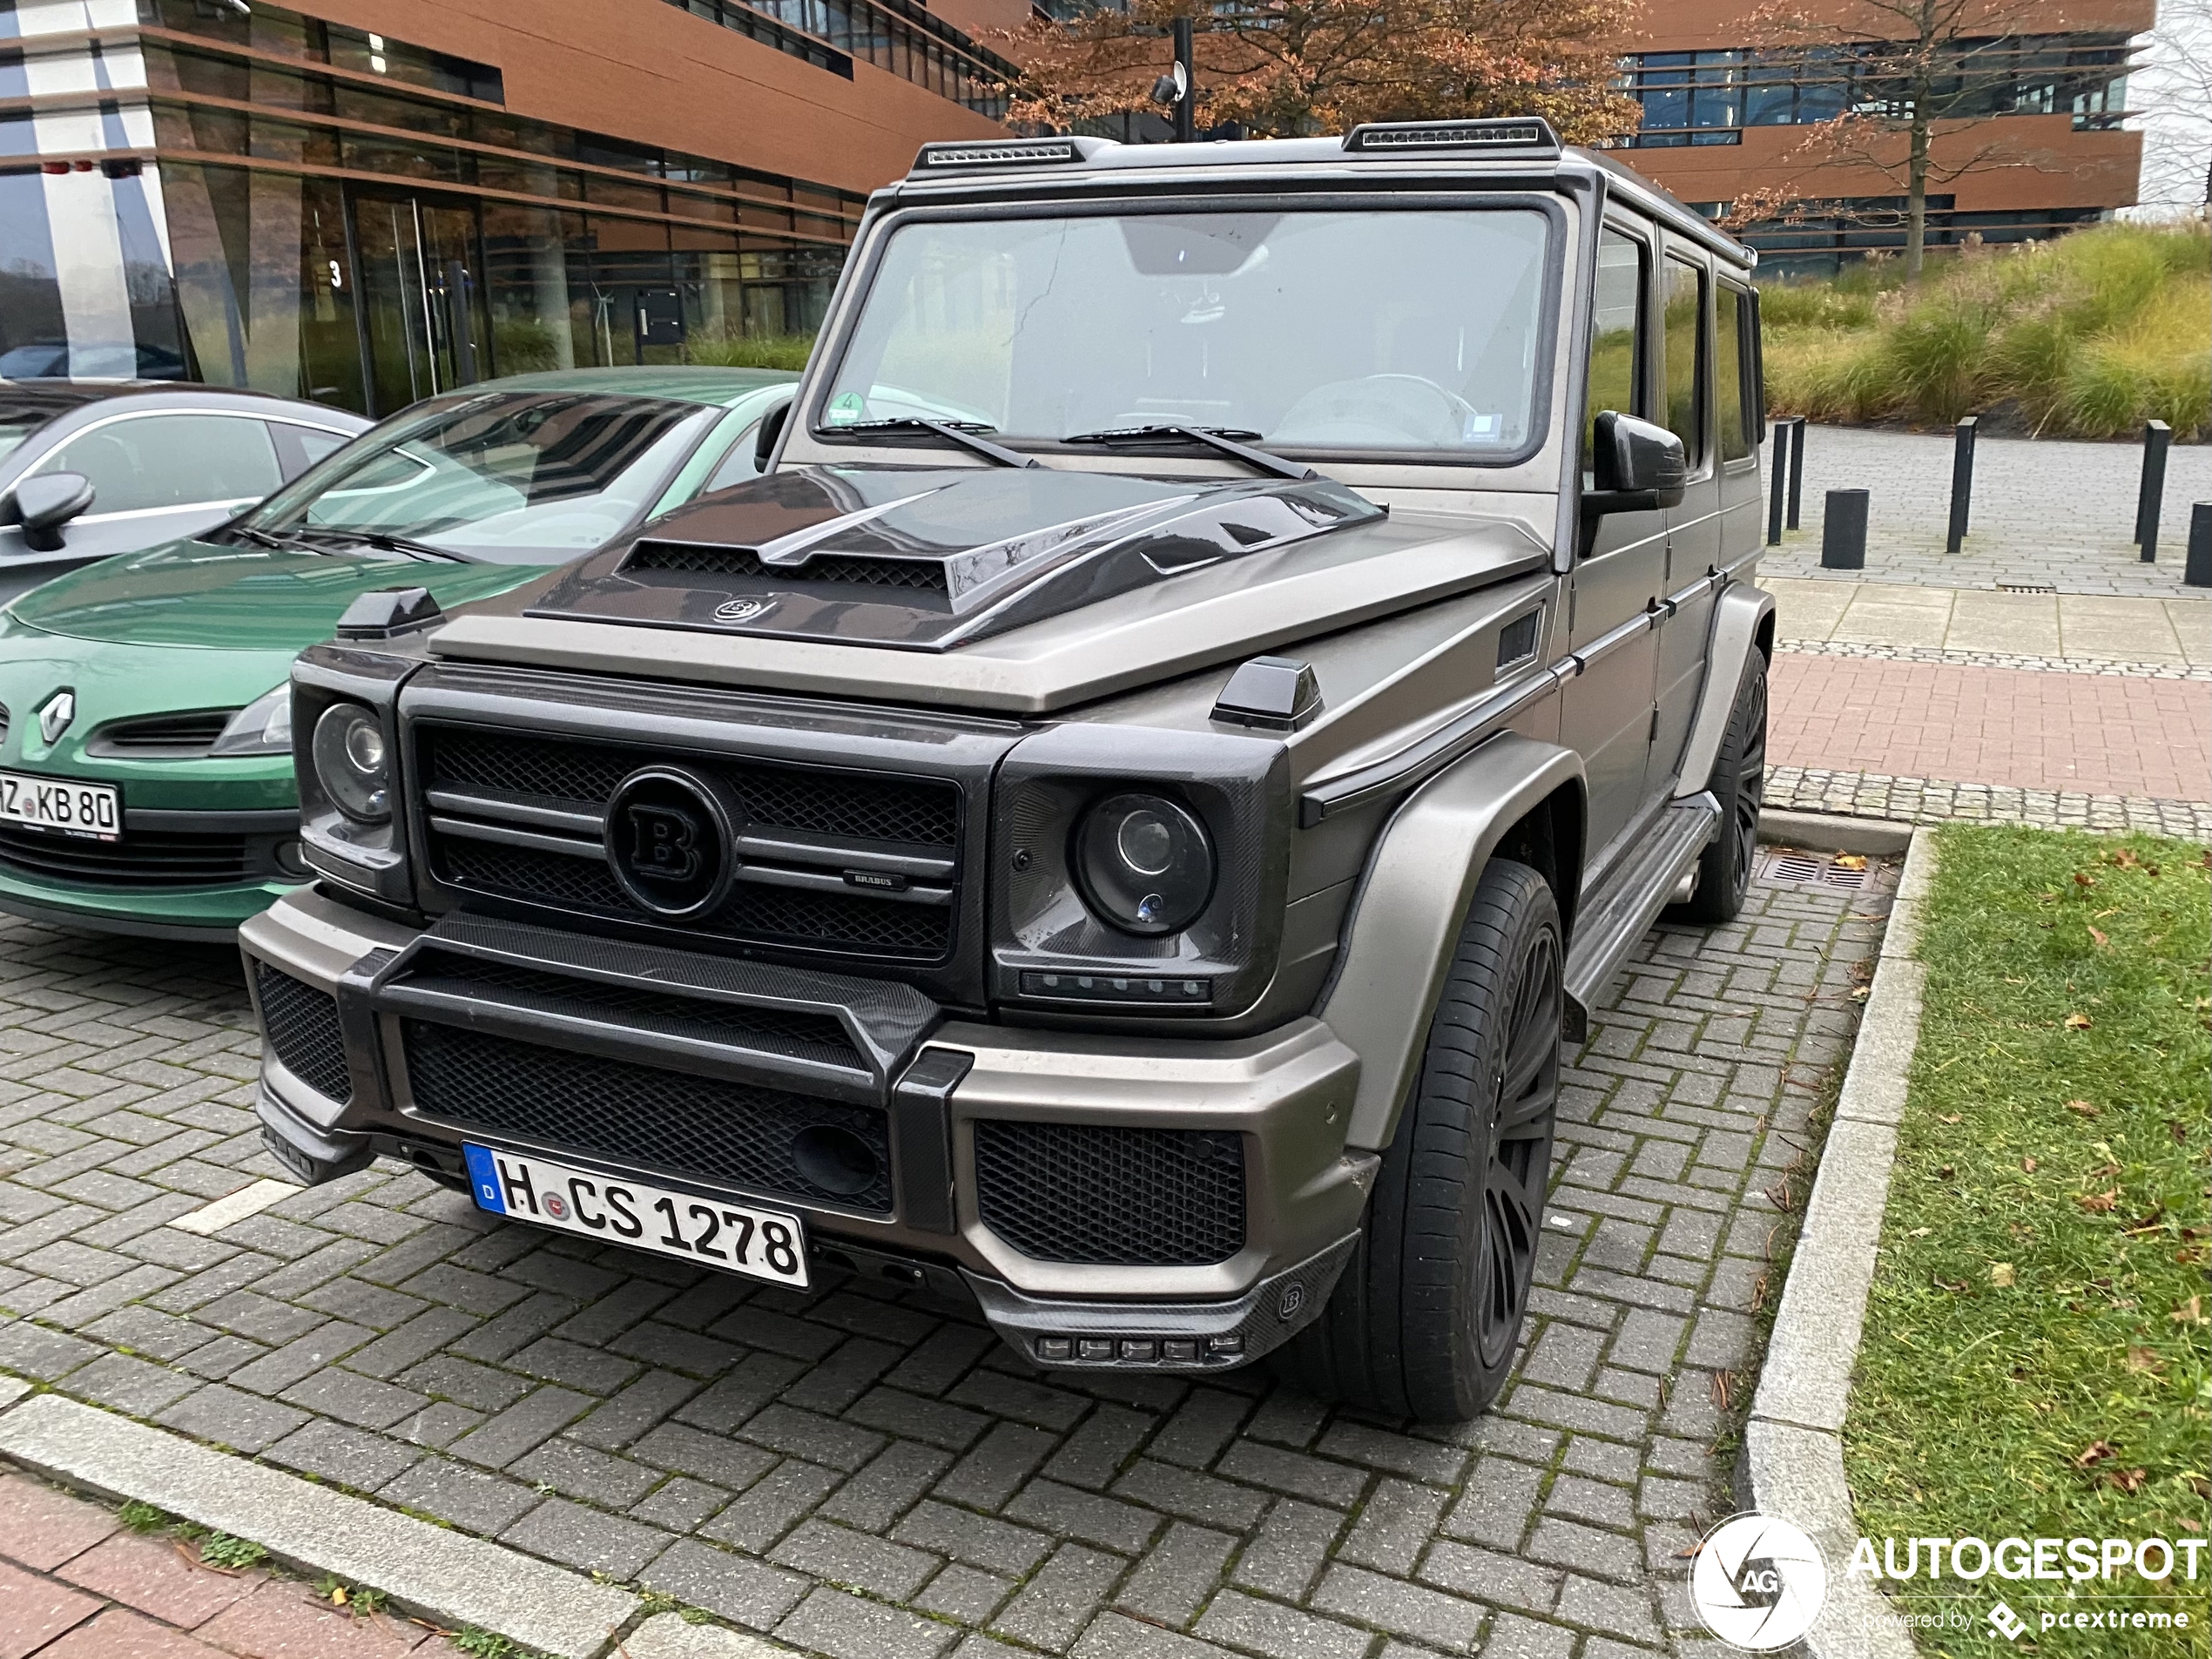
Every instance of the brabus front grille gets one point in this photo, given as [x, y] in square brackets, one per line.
[520, 817]
[1096, 1194]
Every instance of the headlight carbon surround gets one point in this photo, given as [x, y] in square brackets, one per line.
[1144, 862]
[352, 763]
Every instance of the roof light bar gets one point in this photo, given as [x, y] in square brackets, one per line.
[943, 158]
[1526, 135]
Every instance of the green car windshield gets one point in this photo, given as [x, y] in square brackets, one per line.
[1390, 329]
[512, 477]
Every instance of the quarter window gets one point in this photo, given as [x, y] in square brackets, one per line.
[1616, 333]
[1732, 410]
[154, 461]
[1686, 350]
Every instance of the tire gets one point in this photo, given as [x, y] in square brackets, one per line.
[1425, 1320]
[1739, 784]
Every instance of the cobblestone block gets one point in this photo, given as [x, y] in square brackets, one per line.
[894, 1482]
[772, 1506]
[1058, 1600]
[1405, 1609]
[1290, 1550]
[585, 1539]
[844, 1556]
[1395, 1525]
[1279, 1632]
[845, 1627]
[1174, 1579]
[467, 1497]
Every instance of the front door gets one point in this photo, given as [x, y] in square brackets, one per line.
[1606, 710]
[422, 303]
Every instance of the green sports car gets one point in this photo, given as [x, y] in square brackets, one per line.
[145, 742]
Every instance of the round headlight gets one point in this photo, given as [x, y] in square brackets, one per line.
[1144, 863]
[350, 762]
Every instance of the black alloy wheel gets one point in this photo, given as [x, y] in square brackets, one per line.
[1738, 783]
[1522, 1115]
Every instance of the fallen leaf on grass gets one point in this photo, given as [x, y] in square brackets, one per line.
[1919, 1233]
[2027, 1166]
[2077, 1022]
[2153, 1223]
[2081, 879]
[2189, 1312]
[2128, 1480]
[1956, 1287]
[2095, 1452]
[1951, 1118]
[2100, 937]
[1859, 993]
[2145, 1360]
[2125, 858]
[337, 1596]
[2097, 1203]
[1946, 1171]
[2085, 1109]
[2000, 1274]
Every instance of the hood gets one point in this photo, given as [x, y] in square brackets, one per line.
[929, 558]
[238, 598]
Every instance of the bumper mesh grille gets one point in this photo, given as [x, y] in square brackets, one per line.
[727, 1133]
[1079, 1193]
[301, 1025]
[141, 858]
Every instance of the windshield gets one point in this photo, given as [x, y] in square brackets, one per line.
[514, 477]
[12, 433]
[1384, 330]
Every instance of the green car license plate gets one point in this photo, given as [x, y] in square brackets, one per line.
[712, 1232]
[58, 804]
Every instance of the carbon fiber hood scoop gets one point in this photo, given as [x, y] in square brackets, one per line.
[929, 558]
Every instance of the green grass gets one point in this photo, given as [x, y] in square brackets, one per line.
[220, 1549]
[2035, 1360]
[748, 350]
[2087, 336]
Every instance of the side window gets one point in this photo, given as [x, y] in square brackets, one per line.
[149, 460]
[739, 465]
[1616, 332]
[1686, 349]
[298, 447]
[1732, 372]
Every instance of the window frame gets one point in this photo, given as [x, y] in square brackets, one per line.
[1746, 327]
[1639, 235]
[1702, 463]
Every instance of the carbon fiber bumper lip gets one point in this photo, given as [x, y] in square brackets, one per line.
[1067, 1334]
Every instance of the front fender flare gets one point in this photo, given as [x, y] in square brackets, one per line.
[1411, 903]
[1739, 617]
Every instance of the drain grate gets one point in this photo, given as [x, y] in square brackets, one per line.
[2026, 587]
[1794, 869]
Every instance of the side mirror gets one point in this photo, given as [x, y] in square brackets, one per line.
[47, 501]
[1635, 466]
[772, 427]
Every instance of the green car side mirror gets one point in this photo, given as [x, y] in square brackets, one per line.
[46, 501]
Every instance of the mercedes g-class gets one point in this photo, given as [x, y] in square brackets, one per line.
[1233, 646]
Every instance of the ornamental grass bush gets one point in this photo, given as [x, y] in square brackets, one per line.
[2087, 336]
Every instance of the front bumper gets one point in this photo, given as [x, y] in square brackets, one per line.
[175, 874]
[1282, 1100]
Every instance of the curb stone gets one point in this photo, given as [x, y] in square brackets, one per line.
[1793, 1456]
[451, 1577]
[1827, 832]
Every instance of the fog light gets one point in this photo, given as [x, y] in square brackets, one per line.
[291, 860]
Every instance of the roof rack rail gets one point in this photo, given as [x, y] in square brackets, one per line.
[1529, 135]
[944, 157]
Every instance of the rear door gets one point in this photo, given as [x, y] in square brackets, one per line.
[1694, 526]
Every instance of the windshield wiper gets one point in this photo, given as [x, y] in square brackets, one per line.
[262, 538]
[1223, 439]
[959, 432]
[382, 541]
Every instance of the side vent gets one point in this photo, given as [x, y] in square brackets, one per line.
[1517, 639]
[846, 569]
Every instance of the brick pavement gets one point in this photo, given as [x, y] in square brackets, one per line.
[1930, 800]
[870, 1476]
[76, 1584]
[2044, 512]
[2093, 734]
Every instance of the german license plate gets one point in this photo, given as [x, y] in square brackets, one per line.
[713, 1233]
[57, 804]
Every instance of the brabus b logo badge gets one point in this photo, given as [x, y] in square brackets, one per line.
[670, 841]
[736, 611]
[664, 843]
[54, 718]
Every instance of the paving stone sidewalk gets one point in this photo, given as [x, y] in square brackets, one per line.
[2046, 512]
[869, 1476]
[76, 1584]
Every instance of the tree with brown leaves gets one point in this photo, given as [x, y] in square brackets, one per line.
[1289, 68]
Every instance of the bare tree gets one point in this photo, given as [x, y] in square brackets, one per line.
[2170, 101]
[1926, 83]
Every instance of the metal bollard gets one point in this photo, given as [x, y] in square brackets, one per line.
[2197, 572]
[2151, 493]
[1797, 467]
[1775, 483]
[1962, 483]
[1843, 537]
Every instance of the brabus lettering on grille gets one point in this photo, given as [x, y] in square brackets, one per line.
[664, 843]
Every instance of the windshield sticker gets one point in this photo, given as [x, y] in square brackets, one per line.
[846, 408]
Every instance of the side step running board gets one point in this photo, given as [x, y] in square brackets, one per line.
[1621, 911]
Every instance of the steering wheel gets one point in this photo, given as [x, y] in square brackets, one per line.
[1377, 410]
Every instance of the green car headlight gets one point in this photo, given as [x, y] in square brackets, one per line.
[351, 763]
[262, 727]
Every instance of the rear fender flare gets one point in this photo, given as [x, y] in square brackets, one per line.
[1742, 622]
[1412, 902]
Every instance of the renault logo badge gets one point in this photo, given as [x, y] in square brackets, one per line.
[54, 719]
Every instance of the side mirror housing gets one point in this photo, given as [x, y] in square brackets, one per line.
[45, 501]
[1635, 466]
[772, 429]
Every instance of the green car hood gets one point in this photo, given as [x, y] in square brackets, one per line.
[238, 598]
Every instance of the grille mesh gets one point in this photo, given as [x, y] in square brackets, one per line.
[866, 808]
[301, 1025]
[722, 1132]
[925, 576]
[797, 1034]
[141, 858]
[162, 733]
[1077, 1192]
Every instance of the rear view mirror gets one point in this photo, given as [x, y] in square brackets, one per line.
[47, 501]
[772, 427]
[1634, 466]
